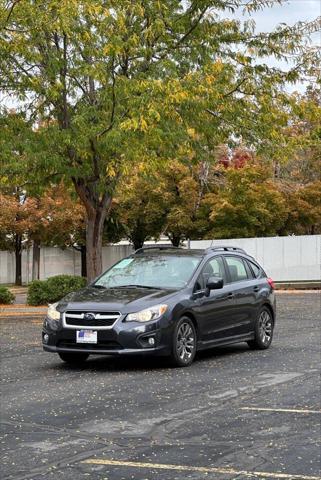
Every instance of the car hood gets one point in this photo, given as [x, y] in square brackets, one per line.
[125, 299]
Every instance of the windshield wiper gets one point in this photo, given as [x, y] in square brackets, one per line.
[99, 286]
[135, 285]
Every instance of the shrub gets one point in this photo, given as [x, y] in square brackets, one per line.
[42, 292]
[38, 293]
[6, 296]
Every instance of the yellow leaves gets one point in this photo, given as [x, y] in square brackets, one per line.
[112, 49]
[143, 124]
[275, 135]
[153, 113]
[86, 36]
[110, 171]
[178, 96]
[217, 67]
[209, 79]
[135, 124]
[96, 9]
[193, 134]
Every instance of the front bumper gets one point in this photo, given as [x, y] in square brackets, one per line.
[161, 350]
[125, 338]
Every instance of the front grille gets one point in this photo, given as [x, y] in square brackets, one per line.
[86, 346]
[90, 319]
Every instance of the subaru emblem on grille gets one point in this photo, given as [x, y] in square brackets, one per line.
[89, 316]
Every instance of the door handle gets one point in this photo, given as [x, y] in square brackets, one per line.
[256, 288]
[230, 295]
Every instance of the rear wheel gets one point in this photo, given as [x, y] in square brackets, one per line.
[263, 330]
[184, 343]
[73, 358]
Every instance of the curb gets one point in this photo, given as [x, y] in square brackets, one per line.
[29, 318]
[21, 312]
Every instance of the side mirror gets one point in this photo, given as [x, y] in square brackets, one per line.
[214, 283]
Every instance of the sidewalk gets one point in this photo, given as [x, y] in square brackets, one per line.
[20, 294]
[21, 312]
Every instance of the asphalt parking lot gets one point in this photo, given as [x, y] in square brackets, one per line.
[234, 414]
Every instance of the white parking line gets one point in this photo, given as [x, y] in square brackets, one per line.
[282, 410]
[190, 468]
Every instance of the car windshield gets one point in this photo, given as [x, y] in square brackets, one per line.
[156, 271]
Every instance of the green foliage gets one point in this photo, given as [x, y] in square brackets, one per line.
[304, 209]
[249, 205]
[110, 85]
[303, 150]
[6, 297]
[42, 292]
[183, 190]
[140, 206]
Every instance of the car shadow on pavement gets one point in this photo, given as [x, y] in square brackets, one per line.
[144, 363]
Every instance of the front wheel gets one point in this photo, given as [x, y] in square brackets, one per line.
[184, 343]
[73, 358]
[263, 330]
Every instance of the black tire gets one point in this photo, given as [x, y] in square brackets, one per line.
[183, 343]
[263, 329]
[73, 358]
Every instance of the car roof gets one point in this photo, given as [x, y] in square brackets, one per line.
[189, 252]
[184, 252]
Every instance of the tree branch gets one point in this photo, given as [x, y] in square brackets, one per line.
[236, 88]
[11, 9]
[112, 115]
[193, 26]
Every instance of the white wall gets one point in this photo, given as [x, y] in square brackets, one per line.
[283, 258]
[55, 261]
[7, 265]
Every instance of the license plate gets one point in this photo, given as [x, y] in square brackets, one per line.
[86, 336]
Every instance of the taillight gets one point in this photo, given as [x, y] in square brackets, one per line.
[271, 283]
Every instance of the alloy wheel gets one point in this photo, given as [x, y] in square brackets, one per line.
[185, 344]
[265, 327]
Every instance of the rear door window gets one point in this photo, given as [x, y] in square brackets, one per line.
[237, 269]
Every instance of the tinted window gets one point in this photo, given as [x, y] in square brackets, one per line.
[213, 268]
[236, 268]
[256, 269]
[153, 271]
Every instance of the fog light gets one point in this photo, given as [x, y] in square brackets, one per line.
[46, 338]
[151, 341]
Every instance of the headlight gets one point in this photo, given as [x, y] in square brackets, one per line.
[52, 312]
[151, 313]
[53, 317]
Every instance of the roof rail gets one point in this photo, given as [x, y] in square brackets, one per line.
[227, 248]
[157, 247]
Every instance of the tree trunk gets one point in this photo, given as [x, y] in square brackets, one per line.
[94, 242]
[35, 260]
[137, 235]
[83, 260]
[176, 240]
[18, 255]
[97, 208]
[137, 243]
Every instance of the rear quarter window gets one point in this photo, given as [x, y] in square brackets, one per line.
[257, 271]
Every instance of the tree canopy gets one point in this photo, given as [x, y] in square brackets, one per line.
[106, 86]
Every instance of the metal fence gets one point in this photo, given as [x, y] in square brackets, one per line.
[295, 258]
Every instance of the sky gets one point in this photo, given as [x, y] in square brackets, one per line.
[290, 13]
